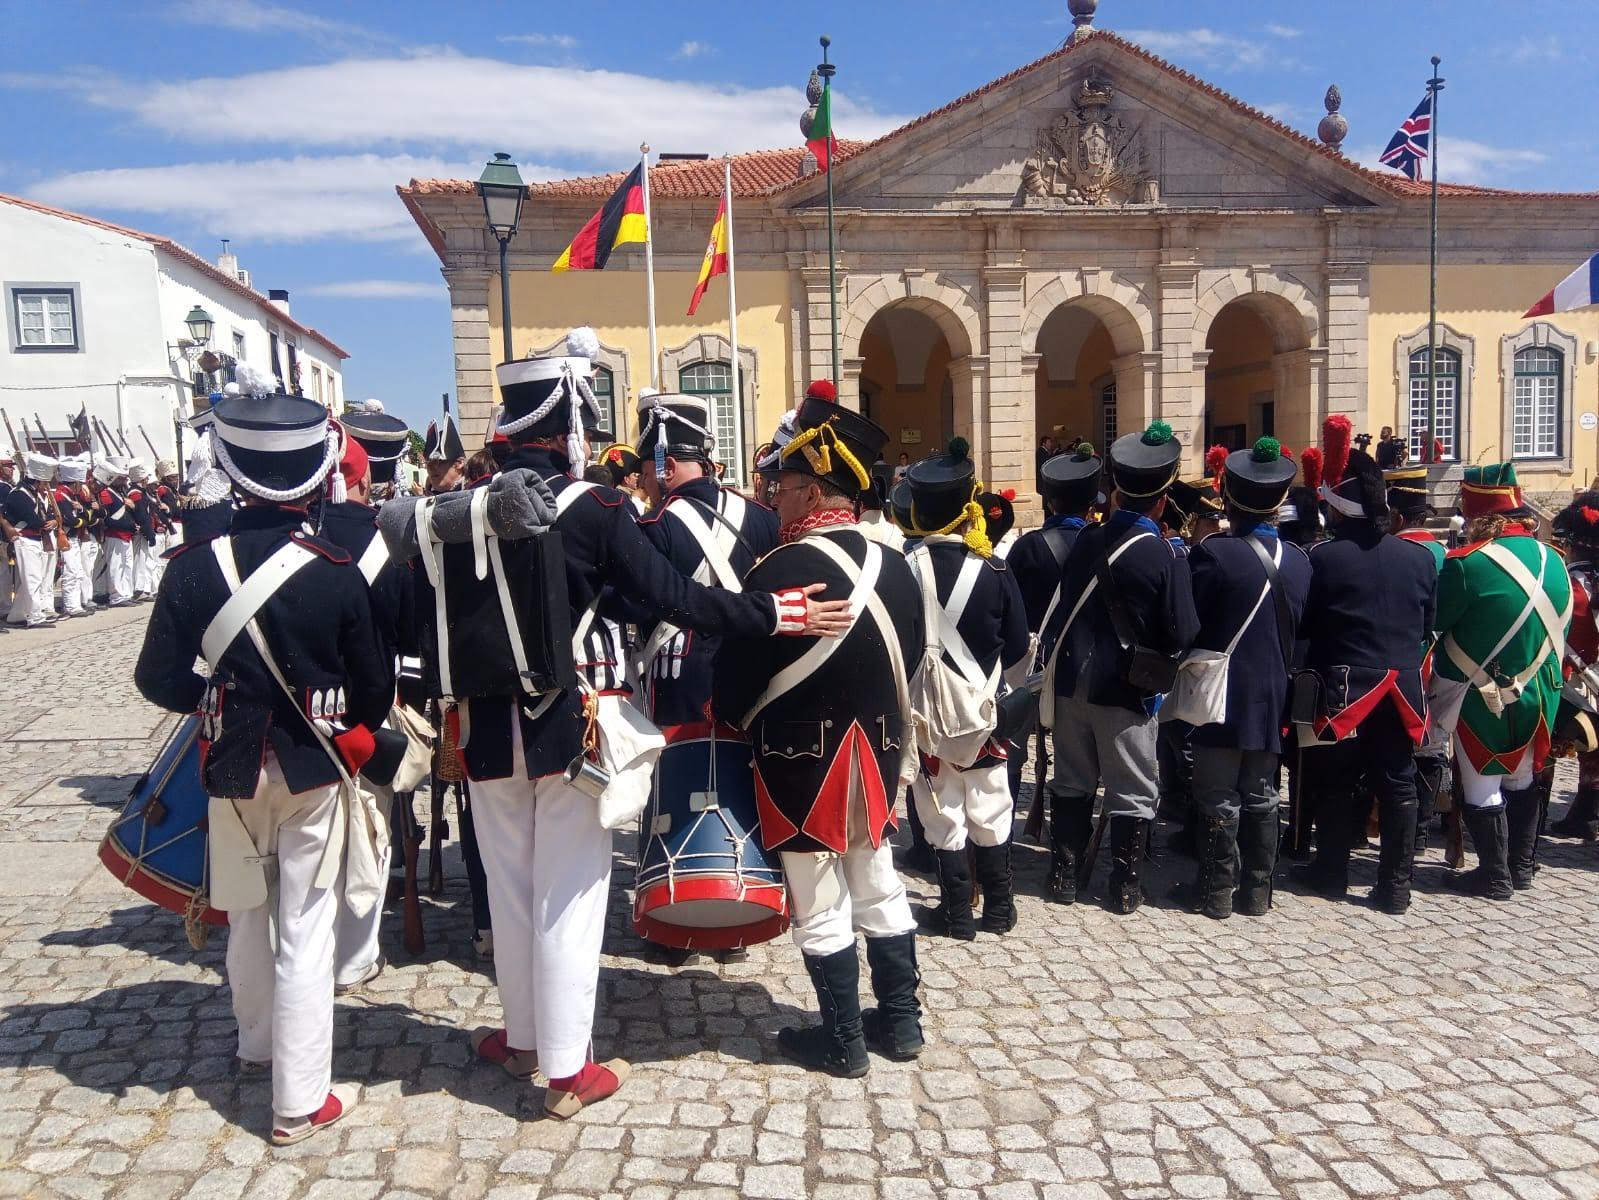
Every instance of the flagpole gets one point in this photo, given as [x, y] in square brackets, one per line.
[1429, 455]
[649, 268]
[732, 320]
[827, 70]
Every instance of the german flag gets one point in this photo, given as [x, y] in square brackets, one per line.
[620, 220]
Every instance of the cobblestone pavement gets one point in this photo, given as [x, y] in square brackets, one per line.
[1322, 1051]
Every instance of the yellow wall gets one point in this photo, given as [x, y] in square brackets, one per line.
[1239, 370]
[896, 410]
[545, 306]
[1075, 405]
[1484, 303]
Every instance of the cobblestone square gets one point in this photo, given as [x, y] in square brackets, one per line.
[1324, 1050]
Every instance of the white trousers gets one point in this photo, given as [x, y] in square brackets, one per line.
[36, 576]
[1487, 791]
[959, 805]
[8, 578]
[356, 937]
[831, 896]
[119, 569]
[547, 860]
[91, 568]
[72, 578]
[143, 573]
[284, 1003]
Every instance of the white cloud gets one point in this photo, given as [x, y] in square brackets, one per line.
[279, 200]
[256, 16]
[1287, 111]
[1461, 160]
[694, 50]
[1206, 48]
[1284, 31]
[561, 41]
[375, 289]
[1547, 48]
[441, 101]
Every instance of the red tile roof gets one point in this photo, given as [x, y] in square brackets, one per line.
[186, 256]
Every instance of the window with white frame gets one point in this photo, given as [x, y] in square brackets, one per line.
[1447, 415]
[316, 382]
[1535, 420]
[1107, 415]
[604, 385]
[714, 381]
[44, 318]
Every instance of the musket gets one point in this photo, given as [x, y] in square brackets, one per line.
[1454, 831]
[63, 542]
[6, 529]
[412, 936]
[155, 454]
[17, 447]
[1085, 867]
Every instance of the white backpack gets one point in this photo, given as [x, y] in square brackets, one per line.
[955, 706]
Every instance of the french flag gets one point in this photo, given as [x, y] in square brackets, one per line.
[1577, 290]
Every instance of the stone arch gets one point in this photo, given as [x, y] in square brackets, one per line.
[948, 305]
[1123, 308]
[1278, 298]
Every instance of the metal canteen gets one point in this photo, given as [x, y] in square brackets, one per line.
[587, 777]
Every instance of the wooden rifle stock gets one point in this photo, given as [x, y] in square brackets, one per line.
[436, 830]
[412, 936]
[1454, 832]
[1085, 868]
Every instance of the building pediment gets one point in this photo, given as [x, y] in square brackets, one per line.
[1099, 124]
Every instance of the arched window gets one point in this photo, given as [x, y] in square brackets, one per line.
[605, 392]
[714, 381]
[1107, 416]
[1536, 419]
[1447, 428]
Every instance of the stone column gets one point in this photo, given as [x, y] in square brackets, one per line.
[968, 376]
[475, 394]
[1009, 422]
[1029, 506]
[1137, 380]
[819, 322]
[1344, 336]
[1298, 385]
[1180, 395]
[849, 382]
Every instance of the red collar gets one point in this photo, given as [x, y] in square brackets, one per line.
[820, 519]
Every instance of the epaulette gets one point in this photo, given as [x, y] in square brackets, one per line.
[997, 563]
[1464, 551]
[185, 547]
[334, 554]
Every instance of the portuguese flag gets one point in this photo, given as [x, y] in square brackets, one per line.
[715, 256]
[620, 220]
[822, 143]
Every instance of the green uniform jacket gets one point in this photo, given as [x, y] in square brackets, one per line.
[1477, 602]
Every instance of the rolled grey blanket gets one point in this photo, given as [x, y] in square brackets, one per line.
[520, 505]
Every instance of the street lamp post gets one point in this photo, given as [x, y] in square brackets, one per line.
[200, 326]
[503, 191]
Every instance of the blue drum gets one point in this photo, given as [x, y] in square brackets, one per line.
[704, 882]
[157, 845]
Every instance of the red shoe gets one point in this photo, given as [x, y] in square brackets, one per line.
[595, 1082]
[288, 1130]
[491, 1046]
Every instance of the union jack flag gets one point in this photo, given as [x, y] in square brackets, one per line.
[1410, 145]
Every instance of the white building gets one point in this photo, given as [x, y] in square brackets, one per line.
[96, 322]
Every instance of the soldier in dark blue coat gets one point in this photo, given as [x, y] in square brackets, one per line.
[1070, 485]
[1253, 620]
[278, 736]
[968, 799]
[1104, 721]
[1369, 615]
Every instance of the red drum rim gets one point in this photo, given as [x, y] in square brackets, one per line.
[691, 937]
[684, 937]
[150, 885]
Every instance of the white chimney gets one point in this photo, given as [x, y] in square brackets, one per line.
[280, 298]
[228, 262]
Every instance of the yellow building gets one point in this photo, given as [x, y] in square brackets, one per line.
[1093, 241]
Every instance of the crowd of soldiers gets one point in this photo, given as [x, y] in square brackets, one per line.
[1177, 645]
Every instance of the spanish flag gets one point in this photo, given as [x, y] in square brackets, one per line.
[715, 255]
[620, 220]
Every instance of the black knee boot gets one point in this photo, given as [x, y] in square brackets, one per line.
[1523, 814]
[1431, 770]
[952, 916]
[1071, 820]
[1129, 841]
[838, 1044]
[1211, 892]
[1257, 858]
[920, 855]
[994, 876]
[1396, 855]
[894, 1027]
[1581, 819]
[1490, 835]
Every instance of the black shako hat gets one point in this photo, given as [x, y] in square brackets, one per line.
[942, 485]
[900, 503]
[384, 438]
[682, 424]
[1071, 481]
[833, 443]
[1407, 492]
[274, 446]
[551, 394]
[1143, 465]
[1257, 480]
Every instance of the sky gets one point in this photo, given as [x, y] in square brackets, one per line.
[285, 127]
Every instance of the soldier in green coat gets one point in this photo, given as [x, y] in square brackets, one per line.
[1504, 606]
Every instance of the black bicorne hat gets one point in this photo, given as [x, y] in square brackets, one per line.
[443, 443]
[999, 515]
[621, 461]
[1071, 481]
[833, 443]
[942, 485]
[1360, 494]
[384, 438]
[682, 424]
[1257, 480]
[1407, 492]
[1143, 465]
[1193, 499]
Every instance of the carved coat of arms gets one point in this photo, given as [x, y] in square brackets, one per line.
[1087, 155]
